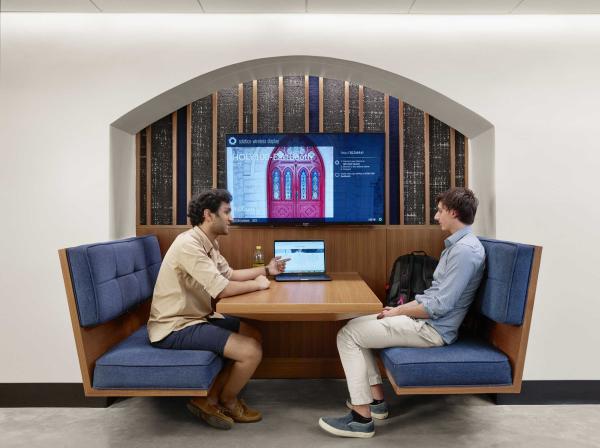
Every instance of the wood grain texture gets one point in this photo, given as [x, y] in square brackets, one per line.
[344, 297]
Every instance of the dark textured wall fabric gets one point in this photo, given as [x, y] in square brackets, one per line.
[202, 153]
[162, 171]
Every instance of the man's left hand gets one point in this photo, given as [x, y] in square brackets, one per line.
[277, 265]
[389, 311]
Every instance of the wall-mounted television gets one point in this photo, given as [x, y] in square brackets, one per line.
[310, 178]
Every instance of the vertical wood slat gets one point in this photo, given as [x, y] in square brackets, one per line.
[138, 189]
[426, 150]
[466, 162]
[306, 108]
[386, 112]
[346, 106]
[214, 138]
[280, 127]
[452, 158]
[149, 175]
[188, 154]
[401, 157]
[241, 108]
[254, 106]
[321, 104]
[361, 109]
[174, 186]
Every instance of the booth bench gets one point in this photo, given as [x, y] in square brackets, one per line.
[109, 288]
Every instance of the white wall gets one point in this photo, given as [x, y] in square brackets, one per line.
[65, 77]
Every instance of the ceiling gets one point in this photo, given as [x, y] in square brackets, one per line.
[307, 6]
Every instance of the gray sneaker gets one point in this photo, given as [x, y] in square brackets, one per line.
[379, 411]
[346, 427]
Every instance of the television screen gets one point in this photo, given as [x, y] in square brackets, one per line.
[306, 178]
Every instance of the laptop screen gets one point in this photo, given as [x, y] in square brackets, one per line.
[305, 256]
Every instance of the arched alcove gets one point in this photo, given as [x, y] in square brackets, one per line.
[368, 250]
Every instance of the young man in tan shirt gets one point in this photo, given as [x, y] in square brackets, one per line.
[192, 278]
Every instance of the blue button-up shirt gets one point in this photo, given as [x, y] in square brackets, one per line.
[455, 282]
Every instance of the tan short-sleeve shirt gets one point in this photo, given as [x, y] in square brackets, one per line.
[192, 272]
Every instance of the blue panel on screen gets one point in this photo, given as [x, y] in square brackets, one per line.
[307, 178]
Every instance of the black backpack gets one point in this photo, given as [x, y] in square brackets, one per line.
[411, 274]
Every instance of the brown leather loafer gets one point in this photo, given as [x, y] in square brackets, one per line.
[212, 415]
[241, 413]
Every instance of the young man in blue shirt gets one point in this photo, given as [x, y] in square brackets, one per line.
[431, 320]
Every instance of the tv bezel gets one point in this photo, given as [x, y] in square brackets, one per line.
[302, 222]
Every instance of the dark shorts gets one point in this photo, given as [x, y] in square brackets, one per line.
[211, 336]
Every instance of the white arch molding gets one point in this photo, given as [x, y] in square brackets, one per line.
[479, 130]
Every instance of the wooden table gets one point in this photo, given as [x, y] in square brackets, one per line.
[344, 297]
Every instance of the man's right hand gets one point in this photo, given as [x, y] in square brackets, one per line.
[262, 281]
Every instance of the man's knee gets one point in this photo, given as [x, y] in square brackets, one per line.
[253, 350]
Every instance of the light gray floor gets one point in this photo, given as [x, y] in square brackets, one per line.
[291, 409]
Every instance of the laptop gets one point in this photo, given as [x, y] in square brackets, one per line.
[306, 260]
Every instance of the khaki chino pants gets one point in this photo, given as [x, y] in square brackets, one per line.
[356, 339]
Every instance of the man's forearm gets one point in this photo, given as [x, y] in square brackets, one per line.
[236, 287]
[240, 275]
[414, 309]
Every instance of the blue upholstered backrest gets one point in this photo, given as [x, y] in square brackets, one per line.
[110, 278]
[503, 292]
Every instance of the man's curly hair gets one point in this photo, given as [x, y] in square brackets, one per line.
[209, 199]
[462, 201]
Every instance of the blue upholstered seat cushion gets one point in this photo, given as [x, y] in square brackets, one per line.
[136, 364]
[503, 292]
[467, 362]
[111, 278]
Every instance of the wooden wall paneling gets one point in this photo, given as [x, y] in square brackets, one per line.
[174, 193]
[452, 158]
[346, 106]
[306, 105]
[215, 133]
[321, 110]
[427, 187]
[149, 175]
[240, 108]
[255, 106]
[138, 190]
[280, 105]
[401, 240]
[386, 113]
[361, 109]
[401, 157]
